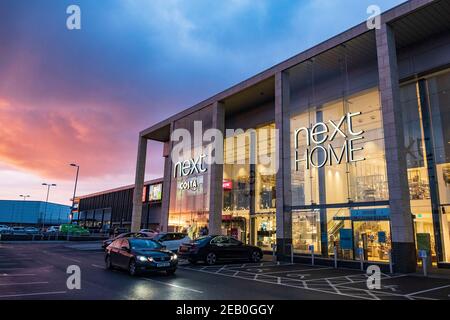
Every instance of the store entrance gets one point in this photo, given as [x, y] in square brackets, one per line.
[374, 237]
[344, 229]
[236, 227]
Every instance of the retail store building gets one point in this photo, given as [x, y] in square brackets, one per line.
[109, 209]
[361, 135]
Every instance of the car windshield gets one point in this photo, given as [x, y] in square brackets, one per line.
[144, 244]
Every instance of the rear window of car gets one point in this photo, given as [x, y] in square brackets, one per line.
[220, 239]
[144, 244]
[202, 240]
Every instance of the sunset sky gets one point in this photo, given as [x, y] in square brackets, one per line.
[83, 95]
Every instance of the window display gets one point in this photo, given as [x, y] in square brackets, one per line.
[249, 187]
[425, 105]
[265, 188]
[306, 231]
[265, 231]
[236, 187]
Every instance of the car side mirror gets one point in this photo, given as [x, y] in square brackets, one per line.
[163, 247]
[126, 249]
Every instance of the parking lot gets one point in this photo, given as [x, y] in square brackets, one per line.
[38, 271]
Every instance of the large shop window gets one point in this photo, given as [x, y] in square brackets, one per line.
[347, 180]
[426, 118]
[332, 168]
[249, 186]
[338, 166]
[236, 186]
[347, 229]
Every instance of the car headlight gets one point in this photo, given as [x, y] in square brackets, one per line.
[142, 258]
[174, 257]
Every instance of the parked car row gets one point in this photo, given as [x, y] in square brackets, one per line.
[137, 253]
[62, 229]
[18, 230]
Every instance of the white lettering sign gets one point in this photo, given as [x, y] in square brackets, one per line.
[189, 167]
[319, 134]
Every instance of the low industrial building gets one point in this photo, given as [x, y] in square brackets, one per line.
[33, 213]
[110, 209]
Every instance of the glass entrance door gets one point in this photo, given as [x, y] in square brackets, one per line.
[374, 237]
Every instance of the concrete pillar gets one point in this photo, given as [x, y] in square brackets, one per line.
[283, 183]
[136, 215]
[402, 233]
[216, 176]
[165, 205]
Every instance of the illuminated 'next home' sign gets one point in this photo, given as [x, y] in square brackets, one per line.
[320, 136]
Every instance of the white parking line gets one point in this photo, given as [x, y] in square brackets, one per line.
[285, 285]
[31, 294]
[338, 277]
[353, 282]
[22, 283]
[428, 290]
[303, 284]
[173, 285]
[263, 264]
[298, 270]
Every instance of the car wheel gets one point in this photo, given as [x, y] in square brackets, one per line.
[108, 263]
[211, 258]
[256, 256]
[132, 268]
[170, 272]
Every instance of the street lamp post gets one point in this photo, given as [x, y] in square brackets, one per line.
[48, 185]
[74, 189]
[23, 206]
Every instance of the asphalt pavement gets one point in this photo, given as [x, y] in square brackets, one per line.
[39, 271]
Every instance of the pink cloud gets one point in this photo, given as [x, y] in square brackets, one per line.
[45, 139]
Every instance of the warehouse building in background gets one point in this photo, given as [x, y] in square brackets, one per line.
[363, 149]
[110, 209]
[33, 213]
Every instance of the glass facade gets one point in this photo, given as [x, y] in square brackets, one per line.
[363, 181]
[98, 219]
[339, 185]
[189, 194]
[339, 181]
[237, 185]
[426, 109]
[249, 195]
